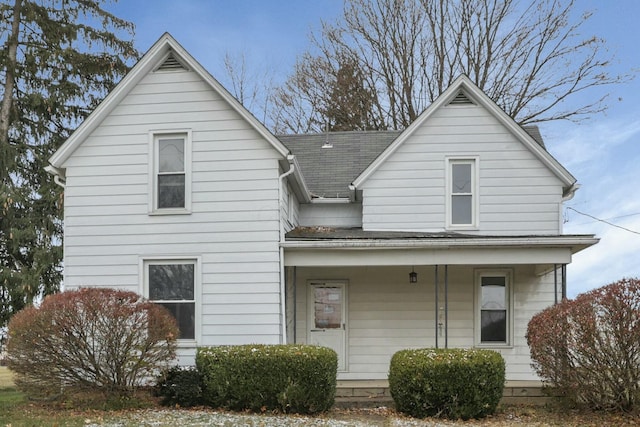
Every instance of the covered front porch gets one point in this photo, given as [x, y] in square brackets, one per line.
[357, 297]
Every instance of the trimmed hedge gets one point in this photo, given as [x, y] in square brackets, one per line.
[287, 378]
[452, 383]
[180, 387]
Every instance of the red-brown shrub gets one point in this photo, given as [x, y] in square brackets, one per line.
[92, 339]
[589, 348]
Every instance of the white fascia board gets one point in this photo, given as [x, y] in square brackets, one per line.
[463, 82]
[427, 256]
[145, 65]
[540, 152]
[304, 191]
[574, 242]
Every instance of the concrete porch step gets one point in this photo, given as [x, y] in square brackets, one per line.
[375, 393]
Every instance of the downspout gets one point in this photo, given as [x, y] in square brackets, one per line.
[436, 307]
[283, 303]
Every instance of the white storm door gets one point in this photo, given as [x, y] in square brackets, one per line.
[327, 318]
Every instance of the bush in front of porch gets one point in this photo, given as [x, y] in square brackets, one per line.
[588, 349]
[286, 378]
[451, 383]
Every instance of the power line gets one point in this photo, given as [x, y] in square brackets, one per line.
[613, 217]
[604, 221]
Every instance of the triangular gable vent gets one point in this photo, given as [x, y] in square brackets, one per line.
[460, 99]
[171, 63]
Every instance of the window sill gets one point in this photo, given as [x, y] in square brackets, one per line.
[496, 346]
[462, 227]
[187, 343]
[163, 212]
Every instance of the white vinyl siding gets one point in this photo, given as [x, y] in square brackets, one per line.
[517, 193]
[386, 313]
[234, 220]
[344, 215]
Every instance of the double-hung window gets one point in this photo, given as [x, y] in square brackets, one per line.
[172, 284]
[462, 193]
[493, 308]
[171, 173]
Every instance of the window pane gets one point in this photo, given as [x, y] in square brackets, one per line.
[494, 326]
[328, 308]
[461, 178]
[171, 191]
[171, 153]
[461, 211]
[171, 282]
[185, 314]
[494, 293]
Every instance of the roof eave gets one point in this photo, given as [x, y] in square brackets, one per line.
[576, 243]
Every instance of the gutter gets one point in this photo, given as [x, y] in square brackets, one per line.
[283, 308]
[58, 175]
[570, 192]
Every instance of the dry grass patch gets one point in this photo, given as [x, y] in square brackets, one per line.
[6, 377]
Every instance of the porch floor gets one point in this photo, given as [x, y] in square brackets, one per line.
[375, 393]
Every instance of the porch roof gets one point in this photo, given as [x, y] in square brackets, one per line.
[354, 246]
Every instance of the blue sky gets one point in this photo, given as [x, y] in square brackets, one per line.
[602, 153]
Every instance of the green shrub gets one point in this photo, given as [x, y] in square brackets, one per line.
[180, 386]
[287, 378]
[588, 349]
[452, 383]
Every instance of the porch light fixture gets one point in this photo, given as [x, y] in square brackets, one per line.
[413, 276]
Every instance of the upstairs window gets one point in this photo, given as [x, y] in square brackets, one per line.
[462, 193]
[171, 177]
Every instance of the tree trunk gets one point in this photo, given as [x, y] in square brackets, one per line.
[7, 100]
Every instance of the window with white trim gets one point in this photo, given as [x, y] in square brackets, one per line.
[171, 172]
[462, 193]
[493, 319]
[172, 284]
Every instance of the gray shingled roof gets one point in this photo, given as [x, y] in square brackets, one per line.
[328, 172]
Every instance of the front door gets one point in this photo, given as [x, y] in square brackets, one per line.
[327, 318]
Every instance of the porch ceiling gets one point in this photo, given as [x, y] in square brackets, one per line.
[355, 247]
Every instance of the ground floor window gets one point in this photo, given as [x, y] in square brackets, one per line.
[172, 284]
[493, 311]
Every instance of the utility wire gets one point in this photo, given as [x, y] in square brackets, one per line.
[602, 220]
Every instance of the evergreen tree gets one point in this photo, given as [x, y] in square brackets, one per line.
[58, 59]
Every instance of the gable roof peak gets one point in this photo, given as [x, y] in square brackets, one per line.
[465, 85]
[157, 54]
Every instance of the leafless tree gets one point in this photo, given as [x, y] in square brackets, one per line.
[253, 89]
[527, 55]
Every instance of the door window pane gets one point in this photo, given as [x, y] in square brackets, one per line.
[328, 307]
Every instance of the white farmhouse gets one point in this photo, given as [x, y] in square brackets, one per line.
[447, 234]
